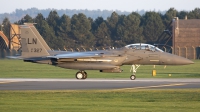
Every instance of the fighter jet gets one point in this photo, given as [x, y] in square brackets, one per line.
[35, 49]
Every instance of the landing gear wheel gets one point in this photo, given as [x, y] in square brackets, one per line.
[79, 75]
[132, 77]
[84, 75]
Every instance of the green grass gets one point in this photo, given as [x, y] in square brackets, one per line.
[101, 100]
[137, 100]
[20, 69]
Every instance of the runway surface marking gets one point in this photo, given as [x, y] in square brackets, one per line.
[146, 87]
[6, 82]
[182, 80]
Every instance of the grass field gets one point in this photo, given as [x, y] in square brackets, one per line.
[136, 100]
[20, 69]
[101, 100]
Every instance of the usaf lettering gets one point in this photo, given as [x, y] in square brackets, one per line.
[33, 41]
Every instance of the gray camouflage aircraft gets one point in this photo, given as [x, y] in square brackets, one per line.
[35, 49]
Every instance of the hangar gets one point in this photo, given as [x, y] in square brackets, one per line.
[10, 45]
[4, 43]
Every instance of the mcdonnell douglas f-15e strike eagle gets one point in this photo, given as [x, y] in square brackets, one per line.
[34, 49]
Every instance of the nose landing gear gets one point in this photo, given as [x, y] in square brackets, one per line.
[134, 69]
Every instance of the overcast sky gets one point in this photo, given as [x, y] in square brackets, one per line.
[8, 6]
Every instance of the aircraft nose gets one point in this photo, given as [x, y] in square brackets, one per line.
[171, 59]
[182, 61]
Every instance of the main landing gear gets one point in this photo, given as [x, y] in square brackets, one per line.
[134, 69]
[81, 75]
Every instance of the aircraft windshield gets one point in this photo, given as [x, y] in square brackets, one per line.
[144, 47]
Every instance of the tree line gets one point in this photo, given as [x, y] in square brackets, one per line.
[33, 12]
[117, 30]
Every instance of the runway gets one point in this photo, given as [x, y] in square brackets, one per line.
[97, 84]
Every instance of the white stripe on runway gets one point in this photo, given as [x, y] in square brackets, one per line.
[5, 80]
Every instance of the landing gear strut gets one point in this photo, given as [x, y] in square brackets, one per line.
[81, 75]
[134, 69]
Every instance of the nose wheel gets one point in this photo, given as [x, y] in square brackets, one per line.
[132, 77]
[81, 75]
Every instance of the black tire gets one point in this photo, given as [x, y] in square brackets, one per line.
[84, 75]
[132, 77]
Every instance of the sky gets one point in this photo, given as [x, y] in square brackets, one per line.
[9, 6]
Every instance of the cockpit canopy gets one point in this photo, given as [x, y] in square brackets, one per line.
[143, 46]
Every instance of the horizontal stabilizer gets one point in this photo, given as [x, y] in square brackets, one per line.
[14, 57]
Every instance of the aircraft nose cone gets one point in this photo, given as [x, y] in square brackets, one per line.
[171, 59]
[182, 61]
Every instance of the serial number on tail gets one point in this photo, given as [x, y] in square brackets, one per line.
[37, 50]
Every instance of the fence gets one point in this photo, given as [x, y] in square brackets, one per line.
[189, 52]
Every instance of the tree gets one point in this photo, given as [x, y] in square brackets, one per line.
[182, 14]
[194, 14]
[153, 26]
[112, 24]
[169, 15]
[40, 21]
[52, 20]
[129, 30]
[64, 30]
[64, 26]
[47, 33]
[28, 19]
[6, 27]
[80, 28]
[103, 36]
[97, 23]
[25, 19]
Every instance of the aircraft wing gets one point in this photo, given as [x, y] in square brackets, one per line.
[76, 55]
[83, 56]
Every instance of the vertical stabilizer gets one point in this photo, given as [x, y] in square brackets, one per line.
[40, 38]
[32, 43]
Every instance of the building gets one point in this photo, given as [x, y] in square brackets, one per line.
[186, 38]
